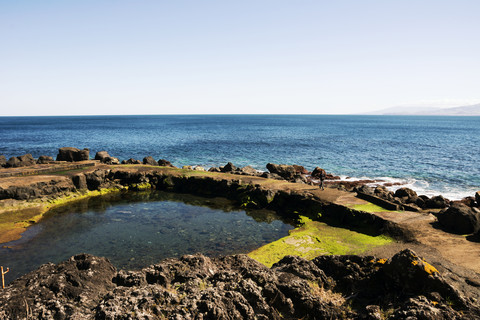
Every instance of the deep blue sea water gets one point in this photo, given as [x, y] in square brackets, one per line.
[433, 155]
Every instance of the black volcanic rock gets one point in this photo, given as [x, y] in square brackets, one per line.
[460, 219]
[21, 161]
[72, 154]
[150, 161]
[237, 287]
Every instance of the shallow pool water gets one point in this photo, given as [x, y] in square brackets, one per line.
[135, 230]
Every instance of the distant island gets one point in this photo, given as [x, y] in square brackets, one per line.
[472, 110]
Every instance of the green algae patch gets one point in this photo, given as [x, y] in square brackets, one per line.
[314, 238]
[369, 207]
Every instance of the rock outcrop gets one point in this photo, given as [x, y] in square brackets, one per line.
[44, 160]
[459, 218]
[237, 287]
[150, 161]
[21, 161]
[131, 161]
[165, 163]
[73, 154]
[3, 161]
[104, 157]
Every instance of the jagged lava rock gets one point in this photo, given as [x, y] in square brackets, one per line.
[73, 154]
[69, 290]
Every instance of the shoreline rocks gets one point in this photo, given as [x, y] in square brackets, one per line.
[238, 287]
[70, 154]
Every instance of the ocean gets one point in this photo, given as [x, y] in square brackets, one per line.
[432, 155]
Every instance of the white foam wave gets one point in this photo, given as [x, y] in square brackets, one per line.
[418, 185]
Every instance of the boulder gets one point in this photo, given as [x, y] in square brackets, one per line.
[437, 202]
[165, 163]
[100, 155]
[285, 171]
[468, 201]
[80, 181]
[316, 173]
[199, 168]
[214, 169]
[405, 192]
[477, 198]
[460, 219]
[110, 160]
[21, 161]
[73, 154]
[187, 168]
[365, 189]
[229, 167]
[300, 169]
[131, 161]
[150, 161]
[44, 160]
[247, 171]
[3, 161]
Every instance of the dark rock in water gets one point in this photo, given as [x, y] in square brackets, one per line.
[149, 160]
[437, 202]
[460, 219]
[3, 161]
[229, 167]
[72, 154]
[165, 163]
[237, 287]
[21, 161]
[477, 198]
[131, 161]
[44, 160]
[69, 290]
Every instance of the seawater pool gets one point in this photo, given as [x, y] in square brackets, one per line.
[137, 229]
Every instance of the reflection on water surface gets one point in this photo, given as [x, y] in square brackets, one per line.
[137, 229]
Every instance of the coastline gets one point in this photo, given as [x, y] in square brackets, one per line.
[449, 256]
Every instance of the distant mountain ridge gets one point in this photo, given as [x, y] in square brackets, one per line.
[471, 110]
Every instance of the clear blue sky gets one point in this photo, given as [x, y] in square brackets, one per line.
[162, 57]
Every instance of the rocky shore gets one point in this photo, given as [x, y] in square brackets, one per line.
[398, 286]
[237, 287]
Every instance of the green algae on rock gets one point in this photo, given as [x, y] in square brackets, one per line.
[314, 238]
